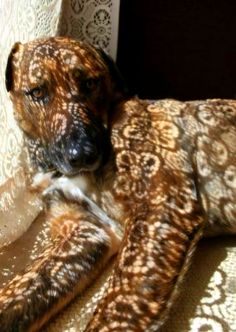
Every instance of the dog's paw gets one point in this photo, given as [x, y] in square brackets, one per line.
[41, 181]
[65, 187]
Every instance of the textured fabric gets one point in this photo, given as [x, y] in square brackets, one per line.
[207, 301]
[208, 298]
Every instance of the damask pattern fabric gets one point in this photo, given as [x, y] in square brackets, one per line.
[208, 299]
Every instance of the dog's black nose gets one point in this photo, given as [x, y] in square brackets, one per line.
[76, 153]
[74, 158]
[82, 155]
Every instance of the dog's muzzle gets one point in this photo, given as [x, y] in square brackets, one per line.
[79, 151]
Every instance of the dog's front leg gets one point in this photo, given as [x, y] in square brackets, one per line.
[81, 245]
[156, 251]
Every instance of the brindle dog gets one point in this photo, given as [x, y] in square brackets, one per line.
[164, 172]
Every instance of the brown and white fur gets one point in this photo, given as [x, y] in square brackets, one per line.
[143, 180]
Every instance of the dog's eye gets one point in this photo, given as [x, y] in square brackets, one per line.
[37, 93]
[90, 84]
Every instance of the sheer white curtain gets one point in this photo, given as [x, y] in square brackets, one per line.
[95, 21]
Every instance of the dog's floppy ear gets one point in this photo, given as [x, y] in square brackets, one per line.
[120, 86]
[9, 68]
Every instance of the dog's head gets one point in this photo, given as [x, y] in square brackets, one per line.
[63, 92]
